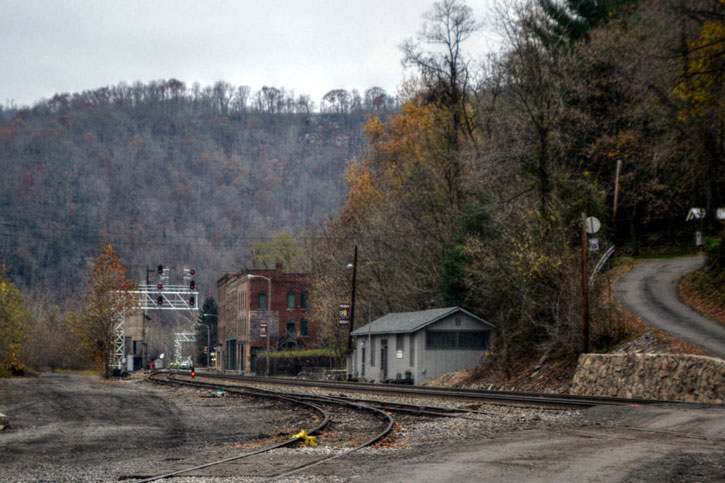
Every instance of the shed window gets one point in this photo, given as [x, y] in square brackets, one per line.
[451, 339]
[303, 300]
[290, 300]
[399, 340]
[411, 350]
[441, 339]
[372, 351]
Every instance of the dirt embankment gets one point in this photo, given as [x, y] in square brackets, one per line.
[706, 299]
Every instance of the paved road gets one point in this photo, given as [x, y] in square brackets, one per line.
[620, 444]
[650, 291]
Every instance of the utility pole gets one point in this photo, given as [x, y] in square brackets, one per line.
[208, 336]
[352, 302]
[143, 328]
[585, 286]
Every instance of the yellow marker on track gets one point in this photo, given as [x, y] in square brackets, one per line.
[309, 440]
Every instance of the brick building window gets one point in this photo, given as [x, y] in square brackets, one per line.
[290, 300]
[303, 300]
[291, 329]
[304, 331]
[262, 301]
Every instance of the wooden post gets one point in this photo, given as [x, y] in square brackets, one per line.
[352, 302]
[616, 198]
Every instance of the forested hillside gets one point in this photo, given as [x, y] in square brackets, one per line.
[473, 195]
[168, 174]
[470, 192]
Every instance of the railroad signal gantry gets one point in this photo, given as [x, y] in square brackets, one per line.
[157, 296]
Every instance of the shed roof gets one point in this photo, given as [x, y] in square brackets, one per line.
[407, 322]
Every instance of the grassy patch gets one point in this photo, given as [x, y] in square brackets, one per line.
[668, 251]
[624, 261]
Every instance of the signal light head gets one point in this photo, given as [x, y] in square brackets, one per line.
[191, 301]
[192, 285]
[161, 269]
[160, 286]
[160, 300]
[191, 271]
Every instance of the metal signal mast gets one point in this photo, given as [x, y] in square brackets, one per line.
[159, 296]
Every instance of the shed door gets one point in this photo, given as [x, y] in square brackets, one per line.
[384, 358]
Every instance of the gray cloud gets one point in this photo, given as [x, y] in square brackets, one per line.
[310, 46]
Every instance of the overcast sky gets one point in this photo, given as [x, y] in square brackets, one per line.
[309, 46]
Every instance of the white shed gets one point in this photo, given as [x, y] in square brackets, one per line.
[419, 346]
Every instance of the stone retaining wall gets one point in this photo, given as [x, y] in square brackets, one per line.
[672, 377]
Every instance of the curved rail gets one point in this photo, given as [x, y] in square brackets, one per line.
[373, 440]
[288, 397]
[325, 420]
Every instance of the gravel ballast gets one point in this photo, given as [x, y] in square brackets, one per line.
[79, 428]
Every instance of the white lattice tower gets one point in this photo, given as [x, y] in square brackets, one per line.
[179, 339]
[119, 339]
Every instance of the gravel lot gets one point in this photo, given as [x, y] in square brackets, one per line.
[77, 428]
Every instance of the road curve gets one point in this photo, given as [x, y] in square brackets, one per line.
[650, 291]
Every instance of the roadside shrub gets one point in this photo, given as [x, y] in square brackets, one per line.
[301, 353]
[290, 363]
[715, 252]
[14, 320]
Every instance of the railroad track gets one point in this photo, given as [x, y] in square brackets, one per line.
[332, 414]
[526, 399]
[325, 410]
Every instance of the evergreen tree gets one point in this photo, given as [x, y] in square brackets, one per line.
[208, 319]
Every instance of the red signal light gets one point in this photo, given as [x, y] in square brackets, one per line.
[192, 285]
[191, 271]
[193, 373]
[160, 300]
[160, 286]
[191, 301]
[161, 269]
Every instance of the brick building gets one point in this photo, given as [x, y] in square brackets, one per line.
[248, 325]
